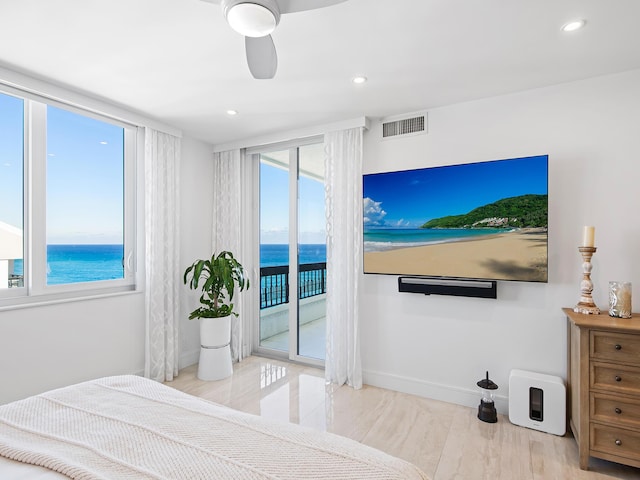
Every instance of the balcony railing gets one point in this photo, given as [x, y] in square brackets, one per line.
[16, 281]
[274, 283]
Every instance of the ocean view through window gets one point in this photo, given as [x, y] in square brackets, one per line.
[278, 254]
[85, 198]
[81, 263]
[80, 187]
[293, 253]
[273, 290]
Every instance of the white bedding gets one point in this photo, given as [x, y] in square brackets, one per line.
[14, 470]
[128, 427]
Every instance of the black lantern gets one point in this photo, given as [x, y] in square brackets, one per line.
[487, 409]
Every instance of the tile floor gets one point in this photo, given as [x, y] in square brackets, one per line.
[447, 441]
[312, 340]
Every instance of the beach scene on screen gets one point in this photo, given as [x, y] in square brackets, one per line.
[486, 220]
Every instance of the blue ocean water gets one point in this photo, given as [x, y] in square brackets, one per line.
[278, 254]
[88, 263]
[380, 239]
[81, 263]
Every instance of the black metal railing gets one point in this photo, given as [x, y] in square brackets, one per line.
[312, 279]
[274, 283]
[274, 286]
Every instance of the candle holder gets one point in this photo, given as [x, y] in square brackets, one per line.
[586, 305]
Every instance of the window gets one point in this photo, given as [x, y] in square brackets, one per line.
[67, 209]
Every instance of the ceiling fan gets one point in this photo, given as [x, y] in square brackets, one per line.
[256, 19]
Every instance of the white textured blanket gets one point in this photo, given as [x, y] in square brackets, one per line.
[128, 427]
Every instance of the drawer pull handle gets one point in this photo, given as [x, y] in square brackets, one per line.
[618, 411]
[618, 378]
[618, 442]
[618, 347]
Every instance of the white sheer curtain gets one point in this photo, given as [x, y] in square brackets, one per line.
[343, 193]
[232, 205]
[161, 195]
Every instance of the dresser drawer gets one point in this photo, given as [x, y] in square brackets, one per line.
[615, 441]
[615, 378]
[616, 347]
[617, 410]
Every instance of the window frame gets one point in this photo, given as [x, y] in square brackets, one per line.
[35, 289]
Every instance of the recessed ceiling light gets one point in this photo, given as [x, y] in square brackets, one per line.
[232, 112]
[573, 26]
[359, 79]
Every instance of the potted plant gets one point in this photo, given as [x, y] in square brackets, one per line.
[217, 278]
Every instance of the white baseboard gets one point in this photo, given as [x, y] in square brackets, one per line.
[186, 359]
[446, 393]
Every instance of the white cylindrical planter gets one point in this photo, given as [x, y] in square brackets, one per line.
[215, 351]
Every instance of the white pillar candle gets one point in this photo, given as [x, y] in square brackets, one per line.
[588, 236]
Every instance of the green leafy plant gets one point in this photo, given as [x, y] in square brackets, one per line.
[217, 278]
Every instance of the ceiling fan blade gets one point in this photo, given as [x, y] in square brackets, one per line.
[261, 56]
[291, 6]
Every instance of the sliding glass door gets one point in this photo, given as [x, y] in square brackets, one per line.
[312, 252]
[292, 253]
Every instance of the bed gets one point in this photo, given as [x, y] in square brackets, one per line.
[129, 427]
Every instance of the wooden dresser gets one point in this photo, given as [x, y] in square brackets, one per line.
[603, 388]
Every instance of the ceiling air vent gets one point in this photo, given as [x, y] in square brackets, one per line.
[404, 127]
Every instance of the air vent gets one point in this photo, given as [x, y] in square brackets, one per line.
[403, 127]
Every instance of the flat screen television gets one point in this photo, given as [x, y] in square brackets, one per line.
[485, 220]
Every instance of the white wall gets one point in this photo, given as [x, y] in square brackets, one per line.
[50, 346]
[55, 345]
[440, 346]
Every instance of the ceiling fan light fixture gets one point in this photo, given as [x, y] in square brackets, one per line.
[252, 19]
[573, 26]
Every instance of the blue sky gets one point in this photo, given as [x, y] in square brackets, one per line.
[84, 175]
[84, 179]
[410, 198]
[274, 208]
[11, 146]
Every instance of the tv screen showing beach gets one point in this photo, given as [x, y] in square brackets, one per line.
[485, 220]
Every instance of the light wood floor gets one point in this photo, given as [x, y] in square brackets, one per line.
[446, 441]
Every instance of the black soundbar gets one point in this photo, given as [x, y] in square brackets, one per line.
[459, 287]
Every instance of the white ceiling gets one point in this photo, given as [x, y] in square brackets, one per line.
[179, 62]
